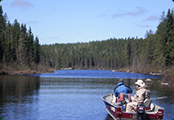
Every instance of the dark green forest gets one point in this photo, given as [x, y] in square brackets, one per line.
[20, 50]
[18, 47]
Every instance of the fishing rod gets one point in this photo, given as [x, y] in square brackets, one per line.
[158, 98]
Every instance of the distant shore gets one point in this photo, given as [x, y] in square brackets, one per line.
[167, 75]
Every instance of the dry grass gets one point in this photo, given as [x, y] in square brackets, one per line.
[15, 69]
[168, 75]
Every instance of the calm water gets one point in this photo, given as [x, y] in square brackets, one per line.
[70, 95]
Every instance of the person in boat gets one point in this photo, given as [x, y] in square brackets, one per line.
[120, 88]
[141, 95]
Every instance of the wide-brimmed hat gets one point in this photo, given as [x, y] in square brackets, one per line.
[140, 83]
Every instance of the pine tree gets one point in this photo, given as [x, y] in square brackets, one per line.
[2, 34]
[29, 46]
[36, 50]
[8, 39]
[21, 47]
[15, 38]
[129, 52]
[168, 39]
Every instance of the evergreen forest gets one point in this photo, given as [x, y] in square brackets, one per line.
[20, 50]
[18, 47]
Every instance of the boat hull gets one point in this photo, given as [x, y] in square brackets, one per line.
[117, 111]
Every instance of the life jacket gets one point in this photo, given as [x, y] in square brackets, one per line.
[124, 97]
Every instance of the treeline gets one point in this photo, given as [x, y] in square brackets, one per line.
[154, 53]
[17, 44]
[109, 54]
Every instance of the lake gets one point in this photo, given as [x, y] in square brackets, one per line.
[71, 95]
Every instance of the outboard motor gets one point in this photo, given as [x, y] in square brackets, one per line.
[140, 111]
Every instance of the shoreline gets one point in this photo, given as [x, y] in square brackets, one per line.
[25, 72]
[50, 70]
[167, 76]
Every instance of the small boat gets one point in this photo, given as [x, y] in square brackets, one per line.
[117, 110]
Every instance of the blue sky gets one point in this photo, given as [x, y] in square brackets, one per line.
[72, 21]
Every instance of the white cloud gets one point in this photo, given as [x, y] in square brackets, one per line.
[139, 11]
[152, 18]
[21, 4]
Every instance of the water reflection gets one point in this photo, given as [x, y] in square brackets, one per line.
[18, 93]
[37, 98]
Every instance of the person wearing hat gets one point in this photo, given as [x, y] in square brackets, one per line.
[141, 94]
[120, 88]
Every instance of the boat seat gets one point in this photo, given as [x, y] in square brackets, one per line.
[147, 103]
[152, 107]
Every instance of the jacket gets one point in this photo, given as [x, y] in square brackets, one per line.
[141, 94]
[121, 88]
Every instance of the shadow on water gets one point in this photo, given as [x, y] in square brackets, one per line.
[108, 117]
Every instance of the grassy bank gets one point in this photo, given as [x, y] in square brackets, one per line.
[168, 76]
[23, 70]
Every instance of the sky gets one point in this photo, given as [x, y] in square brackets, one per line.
[72, 21]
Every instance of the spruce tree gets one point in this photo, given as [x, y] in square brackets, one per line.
[36, 51]
[2, 34]
[168, 40]
[15, 38]
[21, 50]
[129, 52]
